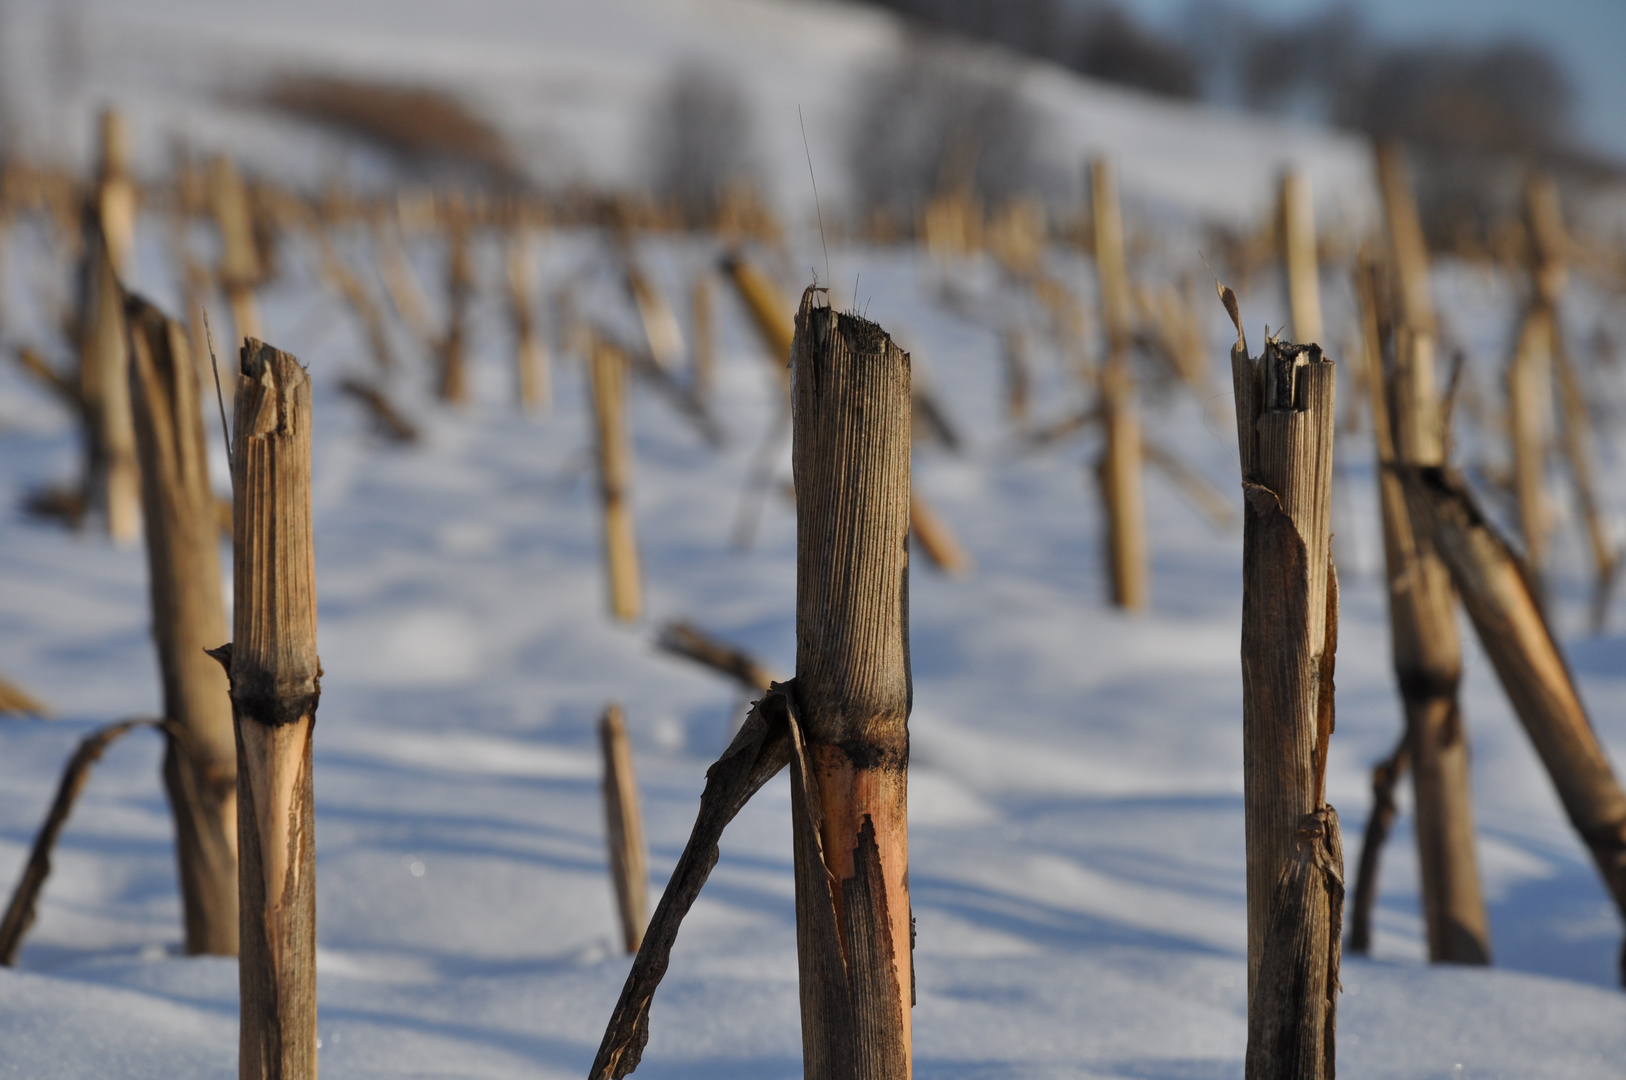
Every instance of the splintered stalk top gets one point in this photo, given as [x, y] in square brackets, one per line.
[274, 603]
[851, 415]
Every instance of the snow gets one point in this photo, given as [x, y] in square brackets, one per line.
[1076, 840]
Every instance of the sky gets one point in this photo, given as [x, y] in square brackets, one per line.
[1588, 36]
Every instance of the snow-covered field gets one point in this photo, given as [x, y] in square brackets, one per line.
[1075, 810]
[1075, 806]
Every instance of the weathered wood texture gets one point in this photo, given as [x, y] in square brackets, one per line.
[1303, 275]
[1292, 1025]
[1120, 468]
[239, 270]
[112, 475]
[624, 829]
[533, 368]
[188, 616]
[608, 370]
[686, 639]
[760, 749]
[1285, 420]
[1285, 431]
[850, 705]
[24, 899]
[1426, 648]
[275, 686]
[1496, 592]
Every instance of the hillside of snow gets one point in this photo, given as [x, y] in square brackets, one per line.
[570, 83]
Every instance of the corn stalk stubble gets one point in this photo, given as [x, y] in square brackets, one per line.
[932, 533]
[1409, 425]
[1530, 419]
[1285, 418]
[758, 752]
[1299, 255]
[770, 311]
[240, 270]
[661, 330]
[116, 195]
[533, 367]
[686, 639]
[703, 371]
[608, 372]
[20, 911]
[852, 903]
[112, 474]
[1120, 466]
[1549, 273]
[1497, 594]
[275, 687]
[624, 829]
[189, 616]
[850, 458]
[1385, 778]
[453, 387]
[15, 701]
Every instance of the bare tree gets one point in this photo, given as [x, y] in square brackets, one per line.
[701, 140]
[1100, 38]
[939, 119]
[1113, 46]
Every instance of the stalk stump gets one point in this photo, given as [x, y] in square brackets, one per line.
[608, 373]
[1120, 467]
[1427, 653]
[1501, 601]
[240, 270]
[188, 616]
[275, 687]
[1285, 420]
[624, 829]
[852, 694]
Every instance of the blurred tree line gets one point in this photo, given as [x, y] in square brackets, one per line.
[943, 116]
[1326, 66]
[1475, 116]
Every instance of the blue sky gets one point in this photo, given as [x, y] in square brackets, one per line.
[1588, 36]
